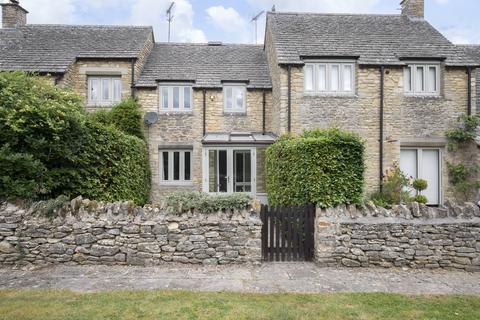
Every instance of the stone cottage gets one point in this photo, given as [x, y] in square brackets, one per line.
[393, 79]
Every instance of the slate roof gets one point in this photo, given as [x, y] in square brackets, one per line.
[52, 48]
[374, 39]
[474, 52]
[206, 65]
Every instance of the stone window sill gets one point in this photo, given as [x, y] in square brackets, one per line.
[236, 114]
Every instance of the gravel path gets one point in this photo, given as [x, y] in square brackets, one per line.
[268, 278]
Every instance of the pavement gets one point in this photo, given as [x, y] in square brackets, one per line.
[267, 278]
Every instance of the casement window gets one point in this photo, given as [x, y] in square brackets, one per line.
[234, 98]
[175, 98]
[175, 167]
[422, 79]
[334, 78]
[104, 90]
[423, 163]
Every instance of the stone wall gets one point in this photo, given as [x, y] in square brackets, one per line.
[119, 233]
[416, 236]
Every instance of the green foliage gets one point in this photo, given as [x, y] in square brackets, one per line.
[394, 189]
[421, 199]
[464, 179]
[50, 208]
[125, 116]
[21, 176]
[324, 167]
[74, 154]
[465, 133]
[420, 185]
[181, 202]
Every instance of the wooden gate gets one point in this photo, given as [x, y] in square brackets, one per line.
[287, 233]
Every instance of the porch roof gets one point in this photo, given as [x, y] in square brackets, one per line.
[252, 138]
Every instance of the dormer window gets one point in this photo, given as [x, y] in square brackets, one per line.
[330, 78]
[177, 98]
[422, 79]
[104, 90]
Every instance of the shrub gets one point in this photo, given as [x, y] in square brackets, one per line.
[21, 176]
[74, 154]
[421, 199]
[394, 189]
[181, 202]
[465, 133]
[125, 116]
[50, 208]
[324, 167]
[464, 179]
[420, 185]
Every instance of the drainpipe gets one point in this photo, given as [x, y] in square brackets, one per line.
[382, 94]
[469, 91]
[132, 93]
[263, 112]
[204, 112]
[289, 104]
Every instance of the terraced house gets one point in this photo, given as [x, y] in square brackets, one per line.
[394, 79]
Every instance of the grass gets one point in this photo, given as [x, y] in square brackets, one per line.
[56, 304]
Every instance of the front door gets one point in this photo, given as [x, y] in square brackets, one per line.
[229, 170]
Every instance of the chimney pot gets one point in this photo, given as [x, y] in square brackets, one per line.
[413, 8]
[13, 15]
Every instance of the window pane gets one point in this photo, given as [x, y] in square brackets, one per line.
[176, 166]
[347, 78]
[334, 77]
[187, 161]
[165, 166]
[176, 97]
[239, 98]
[432, 79]
[229, 97]
[408, 165]
[186, 97]
[322, 77]
[106, 89]
[94, 89]
[430, 172]
[419, 80]
[117, 90]
[309, 78]
[408, 79]
[165, 98]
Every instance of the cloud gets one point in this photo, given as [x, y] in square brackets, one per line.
[334, 6]
[152, 12]
[47, 11]
[461, 34]
[229, 21]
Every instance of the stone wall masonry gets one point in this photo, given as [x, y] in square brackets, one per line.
[414, 236]
[121, 234]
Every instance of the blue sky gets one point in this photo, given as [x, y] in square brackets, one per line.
[229, 20]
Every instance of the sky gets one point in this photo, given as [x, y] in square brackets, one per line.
[229, 21]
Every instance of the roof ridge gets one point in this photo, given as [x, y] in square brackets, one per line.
[87, 26]
[205, 44]
[334, 14]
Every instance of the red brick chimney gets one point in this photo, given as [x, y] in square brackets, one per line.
[13, 15]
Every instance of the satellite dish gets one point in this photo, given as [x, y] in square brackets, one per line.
[150, 118]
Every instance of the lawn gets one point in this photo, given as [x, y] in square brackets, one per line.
[54, 304]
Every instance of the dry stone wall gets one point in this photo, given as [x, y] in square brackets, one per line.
[414, 236]
[121, 234]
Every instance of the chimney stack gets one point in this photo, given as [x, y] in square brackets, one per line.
[413, 8]
[13, 15]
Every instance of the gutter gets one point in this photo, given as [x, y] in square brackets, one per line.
[469, 91]
[382, 105]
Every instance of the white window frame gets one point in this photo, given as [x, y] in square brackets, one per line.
[235, 109]
[412, 69]
[328, 64]
[181, 99]
[100, 101]
[182, 180]
[419, 158]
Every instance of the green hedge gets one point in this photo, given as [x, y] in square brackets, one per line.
[46, 127]
[324, 167]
